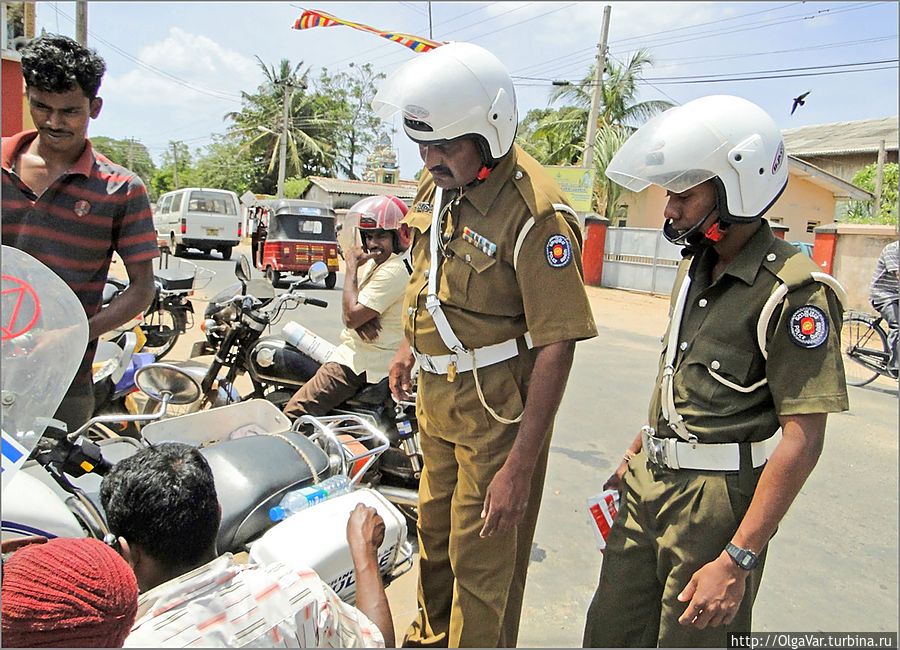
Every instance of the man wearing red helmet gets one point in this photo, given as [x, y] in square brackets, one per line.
[375, 281]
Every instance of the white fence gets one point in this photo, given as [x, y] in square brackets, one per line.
[639, 259]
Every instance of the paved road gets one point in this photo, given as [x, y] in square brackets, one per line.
[833, 565]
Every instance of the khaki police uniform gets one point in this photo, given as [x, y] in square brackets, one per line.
[674, 521]
[494, 286]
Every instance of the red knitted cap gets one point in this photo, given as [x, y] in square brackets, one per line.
[67, 593]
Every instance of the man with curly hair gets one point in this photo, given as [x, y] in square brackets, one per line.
[71, 207]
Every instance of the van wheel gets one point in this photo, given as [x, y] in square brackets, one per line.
[330, 280]
[273, 276]
[226, 252]
[180, 249]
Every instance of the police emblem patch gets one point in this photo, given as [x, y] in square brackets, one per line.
[82, 208]
[423, 206]
[808, 327]
[559, 251]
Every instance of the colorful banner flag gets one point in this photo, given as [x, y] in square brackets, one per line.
[313, 18]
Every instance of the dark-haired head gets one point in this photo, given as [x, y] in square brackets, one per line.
[163, 502]
[57, 64]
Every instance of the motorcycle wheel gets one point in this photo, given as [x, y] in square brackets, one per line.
[162, 329]
[226, 252]
[331, 280]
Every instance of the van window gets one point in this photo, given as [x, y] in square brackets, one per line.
[164, 204]
[212, 202]
[176, 202]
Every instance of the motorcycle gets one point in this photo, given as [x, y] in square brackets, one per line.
[235, 321]
[171, 313]
[115, 364]
[55, 493]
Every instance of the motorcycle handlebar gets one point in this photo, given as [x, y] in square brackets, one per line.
[315, 302]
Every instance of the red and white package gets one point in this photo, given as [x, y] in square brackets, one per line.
[603, 509]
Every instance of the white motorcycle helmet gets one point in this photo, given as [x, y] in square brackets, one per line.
[455, 90]
[720, 137]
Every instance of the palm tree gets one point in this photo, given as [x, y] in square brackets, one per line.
[559, 136]
[258, 125]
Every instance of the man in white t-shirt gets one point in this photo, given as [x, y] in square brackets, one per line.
[376, 277]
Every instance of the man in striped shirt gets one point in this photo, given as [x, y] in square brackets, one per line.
[70, 207]
[884, 295]
[162, 505]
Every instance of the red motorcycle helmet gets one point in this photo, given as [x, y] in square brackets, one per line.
[381, 213]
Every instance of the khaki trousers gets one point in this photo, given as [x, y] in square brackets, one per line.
[333, 384]
[670, 524]
[470, 589]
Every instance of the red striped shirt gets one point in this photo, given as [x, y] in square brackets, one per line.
[94, 209]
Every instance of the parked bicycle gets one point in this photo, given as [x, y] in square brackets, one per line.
[864, 347]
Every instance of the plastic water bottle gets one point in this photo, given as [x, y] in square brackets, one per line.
[307, 342]
[302, 498]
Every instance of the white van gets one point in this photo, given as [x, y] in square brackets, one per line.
[201, 218]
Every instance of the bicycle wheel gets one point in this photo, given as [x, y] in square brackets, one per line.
[162, 328]
[862, 345]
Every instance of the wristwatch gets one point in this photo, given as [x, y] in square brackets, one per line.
[744, 558]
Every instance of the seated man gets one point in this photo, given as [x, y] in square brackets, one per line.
[162, 505]
[884, 296]
[371, 304]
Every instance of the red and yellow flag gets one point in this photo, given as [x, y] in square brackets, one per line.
[313, 18]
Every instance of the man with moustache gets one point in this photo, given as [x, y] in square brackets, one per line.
[495, 304]
[72, 208]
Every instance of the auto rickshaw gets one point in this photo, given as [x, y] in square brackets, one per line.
[295, 234]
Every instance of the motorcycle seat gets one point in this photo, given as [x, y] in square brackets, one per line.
[252, 474]
[174, 279]
[371, 395]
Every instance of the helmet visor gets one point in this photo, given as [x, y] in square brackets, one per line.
[676, 150]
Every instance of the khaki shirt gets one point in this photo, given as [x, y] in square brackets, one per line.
[381, 289]
[485, 299]
[718, 332]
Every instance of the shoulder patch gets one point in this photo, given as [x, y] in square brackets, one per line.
[559, 251]
[808, 327]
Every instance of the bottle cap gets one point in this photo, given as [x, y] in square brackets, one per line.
[276, 513]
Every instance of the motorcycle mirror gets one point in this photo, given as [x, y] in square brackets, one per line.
[242, 269]
[157, 378]
[317, 272]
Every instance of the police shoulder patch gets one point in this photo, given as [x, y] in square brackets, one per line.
[808, 327]
[559, 251]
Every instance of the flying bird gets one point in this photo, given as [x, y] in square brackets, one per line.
[798, 101]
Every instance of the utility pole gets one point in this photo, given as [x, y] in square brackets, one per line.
[597, 91]
[879, 179]
[430, 31]
[282, 153]
[131, 154]
[175, 173]
[81, 21]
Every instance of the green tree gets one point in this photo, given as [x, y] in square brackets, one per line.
[310, 132]
[163, 179]
[350, 98]
[865, 211]
[223, 164]
[559, 137]
[294, 187]
[130, 154]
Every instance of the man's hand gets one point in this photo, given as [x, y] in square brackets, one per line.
[369, 330]
[400, 373]
[715, 592]
[614, 482]
[505, 501]
[365, 530]
[10, 545]
[355, 257]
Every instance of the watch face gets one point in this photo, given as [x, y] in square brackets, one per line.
[745, 559]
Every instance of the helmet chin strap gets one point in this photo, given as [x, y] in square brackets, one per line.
[695, 238]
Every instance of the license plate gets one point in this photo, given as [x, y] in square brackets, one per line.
[199, 349]
[212, 232]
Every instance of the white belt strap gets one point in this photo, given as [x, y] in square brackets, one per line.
[674, 454]
[667, 401]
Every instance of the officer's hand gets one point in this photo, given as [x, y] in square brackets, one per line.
[614, 482]
[365, 530]
[715, 592]
[400, 374]
[505, 501]
[369, 330]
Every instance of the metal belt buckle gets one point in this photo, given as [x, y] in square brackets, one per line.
[655, 448]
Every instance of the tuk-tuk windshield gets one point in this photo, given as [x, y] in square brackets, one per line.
[294, 226]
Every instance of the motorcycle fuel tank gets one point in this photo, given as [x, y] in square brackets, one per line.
[273, 360]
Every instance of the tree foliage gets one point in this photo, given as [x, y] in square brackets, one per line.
[865, 211]
[129, 153]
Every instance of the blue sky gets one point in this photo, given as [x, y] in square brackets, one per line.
[174, 69]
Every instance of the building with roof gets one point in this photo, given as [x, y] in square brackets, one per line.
[843, 148]
[340, 194]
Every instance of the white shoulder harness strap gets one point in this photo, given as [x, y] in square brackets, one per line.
[667, 401]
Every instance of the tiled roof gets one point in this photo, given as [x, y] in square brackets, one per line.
[860, 136]
[402, 190]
